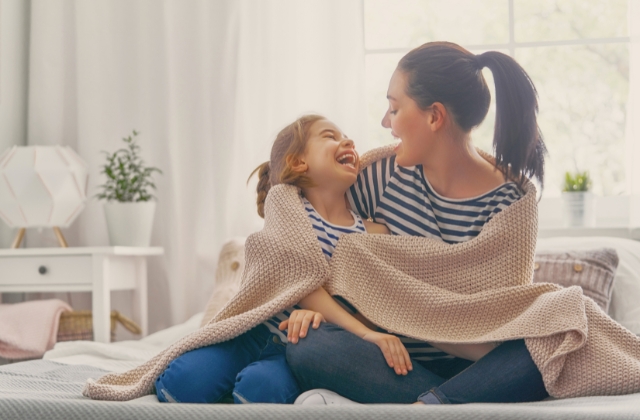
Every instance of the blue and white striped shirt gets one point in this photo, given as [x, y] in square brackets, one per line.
[402, 198]
[328, 235]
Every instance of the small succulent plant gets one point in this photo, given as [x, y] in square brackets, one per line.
[576, 182]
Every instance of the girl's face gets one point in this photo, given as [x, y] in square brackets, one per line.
[330, 156]
[407, 122]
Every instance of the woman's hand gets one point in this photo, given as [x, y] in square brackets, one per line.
[393, 350]
[298, 324]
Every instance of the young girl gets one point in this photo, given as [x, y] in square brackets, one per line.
[313, 154]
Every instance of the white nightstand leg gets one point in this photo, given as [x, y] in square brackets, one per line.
[101, 300]
[140, 300]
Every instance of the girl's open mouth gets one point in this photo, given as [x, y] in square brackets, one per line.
[348, 158]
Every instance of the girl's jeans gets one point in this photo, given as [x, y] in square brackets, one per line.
[252, 368]
[335, 359]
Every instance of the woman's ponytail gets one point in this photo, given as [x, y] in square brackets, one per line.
[517, 139]
[264, 185]
[447, 73]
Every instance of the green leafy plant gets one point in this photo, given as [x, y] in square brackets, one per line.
[576, 182]
[128, 180]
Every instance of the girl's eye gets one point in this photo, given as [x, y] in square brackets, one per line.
[393, 112]
[330, 136]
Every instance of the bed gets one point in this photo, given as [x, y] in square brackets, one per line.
[51, 388]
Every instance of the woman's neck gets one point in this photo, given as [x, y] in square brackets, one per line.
[330, 205]
[456, 170]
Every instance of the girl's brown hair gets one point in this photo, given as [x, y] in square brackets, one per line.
[447, 73]
[290, 143]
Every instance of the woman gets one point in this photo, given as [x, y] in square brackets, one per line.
[438, 186]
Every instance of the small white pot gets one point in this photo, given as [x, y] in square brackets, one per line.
[579, 209]
[130, 224]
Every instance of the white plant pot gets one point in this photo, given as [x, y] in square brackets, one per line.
[579, 209]
[130, 224]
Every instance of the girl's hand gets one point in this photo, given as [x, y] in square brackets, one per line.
[393, 350]
[298, 324]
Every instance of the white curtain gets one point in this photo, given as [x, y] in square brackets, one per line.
[208, 84]
[633, 113]
[14, 33]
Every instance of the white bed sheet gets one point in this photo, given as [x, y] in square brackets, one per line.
[122, 355]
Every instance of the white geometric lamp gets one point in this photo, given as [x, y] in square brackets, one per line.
[41, 186]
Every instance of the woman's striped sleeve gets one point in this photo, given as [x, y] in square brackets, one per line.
[364, 195]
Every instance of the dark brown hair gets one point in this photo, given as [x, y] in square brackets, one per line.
[290, 143]
[447, 73]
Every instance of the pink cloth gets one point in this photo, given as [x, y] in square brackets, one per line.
[29, 329]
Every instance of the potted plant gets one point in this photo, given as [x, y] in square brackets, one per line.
[577, 200]
[128, 190]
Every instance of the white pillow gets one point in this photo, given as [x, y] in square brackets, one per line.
[625, 297]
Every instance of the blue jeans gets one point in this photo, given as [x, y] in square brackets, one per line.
[335, 359]
[252, 368]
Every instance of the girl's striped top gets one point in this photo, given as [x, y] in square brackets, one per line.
[328, 235]
[402, 198]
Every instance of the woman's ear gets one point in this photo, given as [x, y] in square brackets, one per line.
[297, 164]
[438, 116]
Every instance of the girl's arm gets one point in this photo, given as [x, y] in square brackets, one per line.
[392, 348]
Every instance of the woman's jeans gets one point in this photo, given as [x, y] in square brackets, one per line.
[252, 368]
[335, 359]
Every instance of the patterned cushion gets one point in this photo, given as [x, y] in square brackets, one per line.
[593, 270]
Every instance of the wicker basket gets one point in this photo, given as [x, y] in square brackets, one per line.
[78, 325]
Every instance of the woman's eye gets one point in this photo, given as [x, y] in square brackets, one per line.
[393, 112]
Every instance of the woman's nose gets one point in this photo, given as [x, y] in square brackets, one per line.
[386, 123]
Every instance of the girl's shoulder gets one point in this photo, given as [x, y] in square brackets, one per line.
[376, 155]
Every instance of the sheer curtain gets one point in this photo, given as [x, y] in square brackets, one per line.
[633, 113]
[208, 84]
[14, 35]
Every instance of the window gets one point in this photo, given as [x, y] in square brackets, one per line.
[576, 52]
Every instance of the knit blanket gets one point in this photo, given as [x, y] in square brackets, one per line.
[477, 291]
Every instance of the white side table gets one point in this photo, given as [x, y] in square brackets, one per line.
[97, 270]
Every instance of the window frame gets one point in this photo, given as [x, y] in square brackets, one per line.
[511, 46]
[553, 205]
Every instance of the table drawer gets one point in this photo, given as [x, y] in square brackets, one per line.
[45, 270]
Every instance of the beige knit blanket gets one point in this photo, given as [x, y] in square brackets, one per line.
[476, 291]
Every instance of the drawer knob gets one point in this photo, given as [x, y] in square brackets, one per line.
[42, 269]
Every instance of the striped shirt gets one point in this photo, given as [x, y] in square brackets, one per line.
[328, 235]
[402, 198]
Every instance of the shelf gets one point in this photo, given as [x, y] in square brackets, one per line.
[107, 250]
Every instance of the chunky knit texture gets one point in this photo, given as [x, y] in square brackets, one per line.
[476, 291]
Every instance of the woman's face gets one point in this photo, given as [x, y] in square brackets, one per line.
[407, 122]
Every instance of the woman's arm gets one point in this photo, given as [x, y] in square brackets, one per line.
[297, 325]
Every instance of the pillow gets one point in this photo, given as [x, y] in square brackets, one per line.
[624, 307]
[228, 275]
[592, 270]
